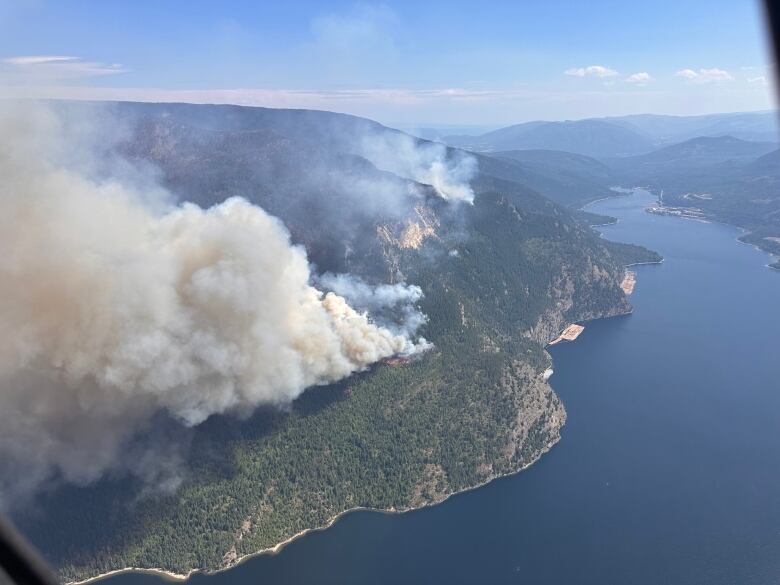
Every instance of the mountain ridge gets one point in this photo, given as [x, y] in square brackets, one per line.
[618, 136]
[500, 279]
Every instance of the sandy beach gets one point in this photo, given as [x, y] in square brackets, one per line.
[571, 333]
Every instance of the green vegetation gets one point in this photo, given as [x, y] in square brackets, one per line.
[594, 219]
[392, 438]
[627, 254]
[501, 278]
[569, 179]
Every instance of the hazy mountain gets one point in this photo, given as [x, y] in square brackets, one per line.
[567, 178]
[698, 152]
[621, 136]
[439, 133]
[595, 138]
[766, 165]
[701, 165]
[755, 126]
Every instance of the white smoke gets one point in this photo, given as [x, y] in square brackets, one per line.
[392, 306]
[111, 312]
[361, 294]
[425, 162]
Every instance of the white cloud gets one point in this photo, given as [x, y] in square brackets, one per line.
[713, 75]
[58, 67]
[641, 78]
[591, 70]
[37, 60]
[760, 80]
[687, 74]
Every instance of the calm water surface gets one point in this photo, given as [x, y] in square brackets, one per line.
[669, 466]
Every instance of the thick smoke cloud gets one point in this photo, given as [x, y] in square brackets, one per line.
[425, 162]
[112, 312]
[393, 306]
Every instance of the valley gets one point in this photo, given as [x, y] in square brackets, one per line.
[506, 264]
[389, 293]
[721, 167]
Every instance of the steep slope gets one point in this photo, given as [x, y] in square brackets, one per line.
[501, 278]
[566, 178]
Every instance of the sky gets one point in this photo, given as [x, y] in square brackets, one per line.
[424, 63]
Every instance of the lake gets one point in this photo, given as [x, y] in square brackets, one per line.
[668, 470]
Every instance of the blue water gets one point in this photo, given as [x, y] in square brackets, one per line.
[668, 470]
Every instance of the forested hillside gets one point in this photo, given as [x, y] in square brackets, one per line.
[566, 178]
[501, 277]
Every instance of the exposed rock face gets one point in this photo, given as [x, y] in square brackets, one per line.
[539, 410]
[565, 309]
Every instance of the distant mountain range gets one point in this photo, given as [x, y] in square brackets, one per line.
[767, 165]
[692, 155]
[725, 166]
[574, 179]
[620, 136]
[758, 126]
[597, 138]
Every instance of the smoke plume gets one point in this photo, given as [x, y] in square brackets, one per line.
[425, 162]
[392, 306]
[112, 311]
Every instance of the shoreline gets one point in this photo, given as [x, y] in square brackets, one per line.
[661, 261]
[598, 225]
[277, 548]
[772, 255]
[166, 575]
[709, 219]
[623, 193]
[738, 239]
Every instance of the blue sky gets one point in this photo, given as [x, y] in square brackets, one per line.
[419, 62]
